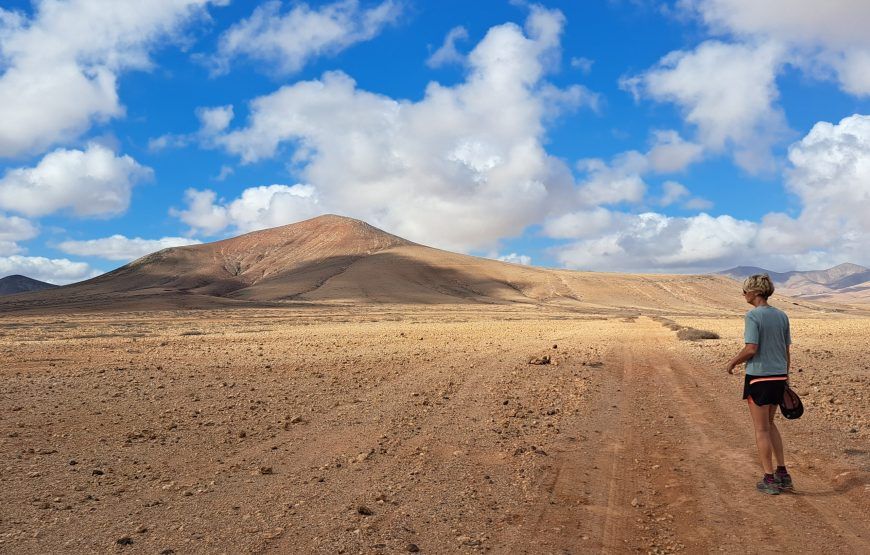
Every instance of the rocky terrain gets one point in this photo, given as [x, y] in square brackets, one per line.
[397, 429]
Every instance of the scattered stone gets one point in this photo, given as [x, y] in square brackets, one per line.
[97, 472]
[365, 511]
[167, 551]
[73, 462]
[141, 529]
[265, 470]
[412, 548]
[126, 540]
[540, 360]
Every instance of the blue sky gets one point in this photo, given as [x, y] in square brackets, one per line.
[631, 135]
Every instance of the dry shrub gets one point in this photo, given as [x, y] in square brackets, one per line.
[692, 334]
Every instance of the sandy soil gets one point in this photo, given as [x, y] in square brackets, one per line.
[395, 429]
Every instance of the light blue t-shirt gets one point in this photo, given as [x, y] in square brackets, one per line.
[768, 328]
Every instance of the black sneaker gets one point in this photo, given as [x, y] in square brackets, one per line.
[767, 486]
[783, 482]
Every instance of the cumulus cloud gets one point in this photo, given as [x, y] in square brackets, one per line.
[836, 36]
[829, 173]
[256, 208]
[60, 67]
[13, 229]
[580, 224]
[447, 53]
[459, 169]
[672, 192]
[211, 122]
[671, 153]
[728, 92]
[655, 242]
[119, 247]
[59, 271]
[286, 42]
[93, 182]
[619, 181]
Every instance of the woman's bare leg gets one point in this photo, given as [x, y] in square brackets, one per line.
[775, 438]
[761, 421]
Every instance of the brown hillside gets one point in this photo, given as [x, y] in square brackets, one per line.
[332, 259]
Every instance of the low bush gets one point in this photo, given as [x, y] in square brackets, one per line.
[692, 334]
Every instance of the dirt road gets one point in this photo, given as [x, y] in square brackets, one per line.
[668, 464]
[392, 431]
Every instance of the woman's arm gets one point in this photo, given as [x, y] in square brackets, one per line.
[745, 354]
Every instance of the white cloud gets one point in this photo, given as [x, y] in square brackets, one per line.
[580, 224]
[655, 242]
[515, 258]
[447, 53]
[619, 181]
[835, 36]
[583, 64]
[459, 169]
[728, 92]
[830, 174]
[93, 182]
[12, 230]
[60, 67]
[672, 192]
[286, 42]
[256, 208]
[119, 247]
[59, 271]
[214, 120]
[224, 173]
[671, 153]
[211, 122]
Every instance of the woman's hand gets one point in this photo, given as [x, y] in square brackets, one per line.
[730, 367]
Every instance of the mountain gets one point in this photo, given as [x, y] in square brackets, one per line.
[10, 285]
[333, 259]
[843, 283]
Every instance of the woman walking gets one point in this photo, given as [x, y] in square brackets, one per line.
[767, 338]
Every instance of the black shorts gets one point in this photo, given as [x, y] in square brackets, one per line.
[766, 390]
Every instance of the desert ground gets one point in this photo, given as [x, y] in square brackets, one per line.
[395, 429]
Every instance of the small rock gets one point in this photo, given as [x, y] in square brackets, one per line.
[635, 502]
[141, 529]
[167, 551]
[97, 472]
[73, 462]
[365, 511]
[412, 548]
[540, 360]
[264, 470]
[126, 540]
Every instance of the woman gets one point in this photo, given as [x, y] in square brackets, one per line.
[766, 353]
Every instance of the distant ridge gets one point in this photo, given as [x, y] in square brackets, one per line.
[10, 285]
[340, 260]
[844, 282]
